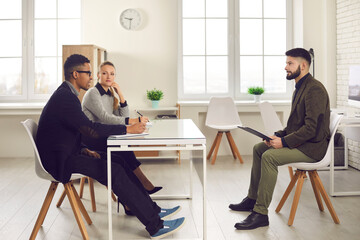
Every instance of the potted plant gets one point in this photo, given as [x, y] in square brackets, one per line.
[256, 91]
[155, 96]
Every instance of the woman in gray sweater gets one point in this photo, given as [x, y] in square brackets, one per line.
[100, 105]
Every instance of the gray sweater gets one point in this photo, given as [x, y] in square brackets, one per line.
[98, 107]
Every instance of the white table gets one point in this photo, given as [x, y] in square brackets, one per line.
[352, 131]
[164, 135]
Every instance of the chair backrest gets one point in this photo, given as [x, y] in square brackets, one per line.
[270, 119]
[334, 124]
[222, 112]
[31, 128]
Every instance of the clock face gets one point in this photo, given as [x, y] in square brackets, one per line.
[130, 19]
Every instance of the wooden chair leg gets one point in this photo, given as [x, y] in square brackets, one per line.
[291, 172]
[44, 209]
[82, 183]
[233, 146]
[213, 146]
[75, 208]
[216, 148]
[92, 194]
[81, 206]
[296, 198]
[326, 198]
[287, 191]
[179, 156]
[316, 190]
[113, 197]
[61, 199]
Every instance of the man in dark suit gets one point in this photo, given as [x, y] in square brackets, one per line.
[304, 139]
[61, 124]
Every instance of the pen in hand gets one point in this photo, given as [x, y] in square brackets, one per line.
[141, 115]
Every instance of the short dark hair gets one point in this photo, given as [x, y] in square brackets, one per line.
[299, 52]
[73, 62]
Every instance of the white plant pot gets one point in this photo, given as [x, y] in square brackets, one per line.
[155, 104]
[257, 98]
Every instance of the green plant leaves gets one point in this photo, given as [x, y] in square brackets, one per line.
[154, 94]
[256, 90]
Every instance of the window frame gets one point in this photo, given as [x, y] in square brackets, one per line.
[28, 55]
[233, 57]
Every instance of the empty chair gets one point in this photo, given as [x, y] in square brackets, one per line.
[75, 202]
[271, 122]
[223, 116]
[316, 183]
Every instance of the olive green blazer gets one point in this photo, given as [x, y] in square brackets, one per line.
[308, 124]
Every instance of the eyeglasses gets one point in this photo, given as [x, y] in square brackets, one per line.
[88, 72]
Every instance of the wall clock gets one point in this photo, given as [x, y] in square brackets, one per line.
[130, 19]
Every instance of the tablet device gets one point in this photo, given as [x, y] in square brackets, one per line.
[256, 133]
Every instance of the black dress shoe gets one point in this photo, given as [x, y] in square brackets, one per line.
[154, 190]
[254, 220]
[247, 204]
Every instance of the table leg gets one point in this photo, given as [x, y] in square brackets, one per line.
[191, 180]
[350, 131]
[109, 193]
[204, 192]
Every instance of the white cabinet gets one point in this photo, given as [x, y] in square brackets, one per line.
[153, 112]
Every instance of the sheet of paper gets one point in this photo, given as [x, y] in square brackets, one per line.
[130, 135]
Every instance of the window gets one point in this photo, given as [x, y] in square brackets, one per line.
[227, 46]
[31, 49]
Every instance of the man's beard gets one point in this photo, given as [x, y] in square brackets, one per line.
[294, 75]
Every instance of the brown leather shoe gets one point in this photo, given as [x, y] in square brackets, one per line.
[247, 204]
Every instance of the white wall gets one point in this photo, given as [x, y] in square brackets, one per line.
[318, 25]
[14, 141]
[145, 58]
[148, 58]
[348, 53]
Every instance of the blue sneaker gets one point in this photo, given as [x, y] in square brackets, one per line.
[168, 212]
[170, 227]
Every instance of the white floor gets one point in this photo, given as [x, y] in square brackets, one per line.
[22, 193]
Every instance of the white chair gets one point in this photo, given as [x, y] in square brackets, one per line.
[75, 202]
[223, 116]
[316, 183]
[271, 122]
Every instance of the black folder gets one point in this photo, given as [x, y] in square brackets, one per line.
[256, 133]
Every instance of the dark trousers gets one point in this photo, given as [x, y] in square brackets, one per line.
[124, 184]
[100, 145]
